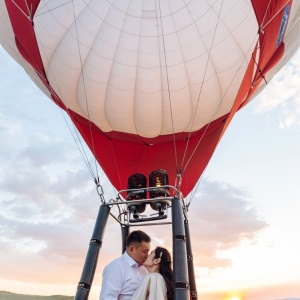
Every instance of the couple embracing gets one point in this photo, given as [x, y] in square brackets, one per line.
[136, 275]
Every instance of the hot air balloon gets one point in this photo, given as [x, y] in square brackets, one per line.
[151, 85]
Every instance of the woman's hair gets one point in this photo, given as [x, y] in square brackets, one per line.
[165, 269]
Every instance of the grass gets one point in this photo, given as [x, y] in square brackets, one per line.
[13, 296]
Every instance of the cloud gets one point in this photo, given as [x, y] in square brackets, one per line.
[51, 225]
[221, 217]
[283, 94]
[47, 196]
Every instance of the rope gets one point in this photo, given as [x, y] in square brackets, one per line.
[81, 150]
[200, 91]
[207, 126]
[85, 95]
[78, 140]
[168, 83]
[263, 27]
[115, 160]
[265, 14]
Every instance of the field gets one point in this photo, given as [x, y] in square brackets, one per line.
[12, 296]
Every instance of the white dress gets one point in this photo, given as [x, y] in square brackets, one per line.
[153, 287]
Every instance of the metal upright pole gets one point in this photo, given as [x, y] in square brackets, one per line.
[125, 232]
[192, 281]
[180, 269]
[90, 265]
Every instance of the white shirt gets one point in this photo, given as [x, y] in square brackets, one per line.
[121, 278]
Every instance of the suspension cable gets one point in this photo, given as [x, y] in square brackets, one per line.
[261, 28]
[80, 148]
[115, 160]
[77, 141]
[85, 94]
[207, 126]
[142, 160]
[200, 90]
[168, 84]
[265, 14]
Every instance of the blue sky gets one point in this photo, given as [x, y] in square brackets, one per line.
[244, 215]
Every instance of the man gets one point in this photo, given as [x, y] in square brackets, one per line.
[123, 275]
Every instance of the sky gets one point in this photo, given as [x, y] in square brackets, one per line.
[244, 216]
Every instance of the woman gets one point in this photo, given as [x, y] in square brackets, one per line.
[158, 284]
